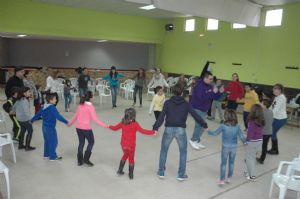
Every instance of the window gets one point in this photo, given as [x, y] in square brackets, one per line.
[190, 25]
[212, 24]
[273, 17]
[238, 26]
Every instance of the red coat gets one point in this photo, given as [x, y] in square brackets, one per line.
[236, 90]
[129, 133]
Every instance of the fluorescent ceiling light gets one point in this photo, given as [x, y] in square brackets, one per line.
[273, 17]
[21, 35]
[102, 40]
[149, 7]
[238, 26]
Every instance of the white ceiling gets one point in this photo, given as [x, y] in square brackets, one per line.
[238, 11]
[116, 6]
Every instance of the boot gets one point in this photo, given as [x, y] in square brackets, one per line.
[79, 159]
[131, 169]
[27, 143]
[274, 149]
[21, 141]
[121, 166]
[86, 158]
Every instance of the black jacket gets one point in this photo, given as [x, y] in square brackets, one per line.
[176, 111]
[13, 81]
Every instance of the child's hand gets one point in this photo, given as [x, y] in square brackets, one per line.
[155, 133]
[222, 89]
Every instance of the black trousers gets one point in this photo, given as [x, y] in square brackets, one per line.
[16, 127]
[156, 114]
[25, 126]
[82, 135]
[138, 89]
[266, 139]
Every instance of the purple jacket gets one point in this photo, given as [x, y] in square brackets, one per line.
[203, 95]
[254, 132]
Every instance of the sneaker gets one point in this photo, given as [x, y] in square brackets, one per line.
[221, 182]
[183, 178]
[58, 158]
[46, 158]
[194, 145]
[201, 146]
[246, 174]
[259, 161]
[133, 104]
[222, 121]
[251, 178]
[228, 180]
[161, 174]
[29, 148]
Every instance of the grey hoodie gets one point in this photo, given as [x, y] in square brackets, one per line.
[22, 110]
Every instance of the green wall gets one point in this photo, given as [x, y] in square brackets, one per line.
[25, 16]
[264, 51]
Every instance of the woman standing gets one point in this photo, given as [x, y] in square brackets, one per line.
[158, 79]
[140, 82]
[235, 91]
[113, 79]
[280, 117]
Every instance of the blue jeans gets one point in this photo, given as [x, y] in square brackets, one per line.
[227, 153]
[232, 104]
[83, 91]
[198, 130]
[68, 100]
[114, 94]
[277, 124]
[50, 142]
[180, 135]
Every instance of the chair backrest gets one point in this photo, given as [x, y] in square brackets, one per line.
[74, 81]
[60, 80]
[2, 116]
[169, 79]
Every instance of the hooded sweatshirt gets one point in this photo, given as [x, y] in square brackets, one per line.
[49, 114]
[203, 95]
[176, 110]
[22, 110]
[85, 113]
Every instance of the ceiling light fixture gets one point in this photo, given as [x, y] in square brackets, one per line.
[102, 40]
[149, 7]
[201, 35]
[21, 35]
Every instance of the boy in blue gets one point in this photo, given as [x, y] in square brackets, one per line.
[50, 114]
[230, 132]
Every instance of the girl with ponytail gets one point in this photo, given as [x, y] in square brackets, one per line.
[85, 113]
[128, 141]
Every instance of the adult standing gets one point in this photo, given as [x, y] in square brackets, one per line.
[113, 78]
[235, 91]
[52, 84]
[28, 82]
[83, 81]
[158, 79]
[15, 81]
[140, 82]
[280, 116]
[202, 96]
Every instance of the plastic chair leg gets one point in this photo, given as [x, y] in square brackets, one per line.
[13, 152]
[7, 183]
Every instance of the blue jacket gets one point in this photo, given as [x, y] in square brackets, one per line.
[176, 110]
[229, 135]
[113, 81]
[49, 114]
[203, 95]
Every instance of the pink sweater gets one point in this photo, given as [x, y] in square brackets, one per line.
[84, 114]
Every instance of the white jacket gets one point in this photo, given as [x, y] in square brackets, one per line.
[158, 81]
[279, 107]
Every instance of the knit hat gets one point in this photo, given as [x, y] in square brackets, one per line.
[18, 69]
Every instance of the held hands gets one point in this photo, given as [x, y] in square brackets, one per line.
[215, 89]
[155, 133]
[222, 89]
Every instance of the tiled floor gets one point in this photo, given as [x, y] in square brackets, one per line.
[34, 177]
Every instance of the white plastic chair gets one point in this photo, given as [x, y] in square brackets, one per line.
[5, 171]
[3, 120]
[5, 139]
[287, 181]
[151, 92]
[129, 89]
[74, 82]
[104, 91]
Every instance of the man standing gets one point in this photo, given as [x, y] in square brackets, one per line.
[83, 80]
[202, 96]
[14, 81]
